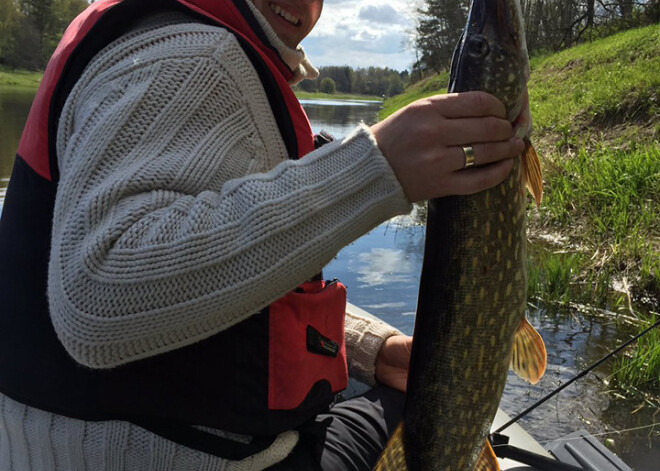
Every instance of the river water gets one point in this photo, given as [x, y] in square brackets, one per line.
[381, 271]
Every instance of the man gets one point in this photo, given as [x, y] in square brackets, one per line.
[162, 240]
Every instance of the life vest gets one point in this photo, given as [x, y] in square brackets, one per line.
[269, 373]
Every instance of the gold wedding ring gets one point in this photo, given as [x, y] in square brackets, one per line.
[469, 156]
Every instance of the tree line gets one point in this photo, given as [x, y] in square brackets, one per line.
[551, 25]
[31, 29]
[383, 82]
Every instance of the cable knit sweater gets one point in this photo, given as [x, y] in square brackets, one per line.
[178, 214]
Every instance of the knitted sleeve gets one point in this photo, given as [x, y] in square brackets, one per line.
[177, 213]
[365, 335]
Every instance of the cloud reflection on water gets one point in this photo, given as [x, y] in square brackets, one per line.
[383, 266]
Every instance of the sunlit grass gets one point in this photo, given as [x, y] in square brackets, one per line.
[610, 199]
[19, 78]
[640, 366]
[434, 85]
[560, 278]
[616, 79]
[551, 275]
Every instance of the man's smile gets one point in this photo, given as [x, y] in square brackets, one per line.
[294, 20]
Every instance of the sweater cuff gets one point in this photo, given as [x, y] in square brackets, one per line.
[364, 337]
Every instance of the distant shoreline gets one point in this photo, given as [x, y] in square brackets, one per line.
[336, 96]
[19, 79]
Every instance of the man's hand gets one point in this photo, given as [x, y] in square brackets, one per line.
[392, 362]
[423, 143]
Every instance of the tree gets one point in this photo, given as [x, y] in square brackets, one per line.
[440, 25]
[550, 25]
[327, 86]
[31, 29]
[396, 85]
[9, 19]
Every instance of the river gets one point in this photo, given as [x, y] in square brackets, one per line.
[381, 271]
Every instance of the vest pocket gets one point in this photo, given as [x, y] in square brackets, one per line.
[306, 343]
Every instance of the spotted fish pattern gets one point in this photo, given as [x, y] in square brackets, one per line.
[473, 288]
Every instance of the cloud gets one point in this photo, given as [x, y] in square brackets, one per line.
[362, 33]
[383, 266]
[381, 14]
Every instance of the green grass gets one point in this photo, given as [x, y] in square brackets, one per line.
[639, 369]
[610, 81]
[19, 78]
[424, 88]
[559, 278]
[609, 199]
[552, 275]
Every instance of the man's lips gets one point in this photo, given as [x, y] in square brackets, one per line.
[282, 13]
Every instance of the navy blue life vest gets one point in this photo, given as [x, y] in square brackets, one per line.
[269, 373]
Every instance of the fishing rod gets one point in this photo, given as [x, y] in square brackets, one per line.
[571, 381]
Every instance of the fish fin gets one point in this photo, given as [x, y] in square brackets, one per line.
[393, 456]
[529, 357]
[487, 460]
[532, 172]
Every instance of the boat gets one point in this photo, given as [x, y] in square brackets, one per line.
[577, 451]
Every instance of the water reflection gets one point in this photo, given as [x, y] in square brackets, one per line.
[380, 266]
[340, 117]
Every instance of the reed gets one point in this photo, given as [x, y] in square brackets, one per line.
[639, 368]
[609, 200]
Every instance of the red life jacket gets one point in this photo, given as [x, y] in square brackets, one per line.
[269, 373]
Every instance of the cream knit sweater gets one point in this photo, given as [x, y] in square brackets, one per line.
[178, 214]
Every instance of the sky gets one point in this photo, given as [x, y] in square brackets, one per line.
[363, 33]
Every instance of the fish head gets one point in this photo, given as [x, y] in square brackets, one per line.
[491, 55]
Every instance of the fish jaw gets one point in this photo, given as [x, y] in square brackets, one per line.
[492, 54]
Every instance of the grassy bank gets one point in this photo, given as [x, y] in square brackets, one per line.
[425, 88]
[596, 110]
[335, 96]
[19, 78]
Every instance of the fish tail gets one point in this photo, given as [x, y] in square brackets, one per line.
[487, 460]
[393, 457]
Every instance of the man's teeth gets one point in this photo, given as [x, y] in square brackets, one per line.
[284, 14]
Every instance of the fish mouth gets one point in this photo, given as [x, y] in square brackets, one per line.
[496, 19]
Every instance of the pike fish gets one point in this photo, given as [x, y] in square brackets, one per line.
[470, 325]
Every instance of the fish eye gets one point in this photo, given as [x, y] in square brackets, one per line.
[478, 46]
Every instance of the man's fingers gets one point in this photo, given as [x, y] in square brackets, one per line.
[470, 131]
[489, 152]
[469, 104]
[475, 179]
